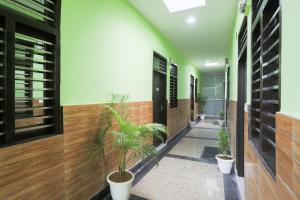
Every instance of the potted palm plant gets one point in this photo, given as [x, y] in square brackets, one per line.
[131, 138]
[202, 102]
[225, 161]
[221, 120]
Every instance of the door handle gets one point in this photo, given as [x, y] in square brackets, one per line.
[161, 107]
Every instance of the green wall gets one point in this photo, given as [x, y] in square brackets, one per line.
[290, 70]
[107, 46]
[290, 67]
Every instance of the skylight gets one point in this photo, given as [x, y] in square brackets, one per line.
[179, 5]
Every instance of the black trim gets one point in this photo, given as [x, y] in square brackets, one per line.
[242, 85]
[200, 138]
[191, 159]
[9, 109]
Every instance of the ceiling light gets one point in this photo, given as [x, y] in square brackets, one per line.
[211, 64]
[178, 5]
[191, 20]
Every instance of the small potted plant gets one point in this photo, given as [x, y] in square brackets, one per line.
[202, 102]
[225, 162]
[221, 120]
[131, 138]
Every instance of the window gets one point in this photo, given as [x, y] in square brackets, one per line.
[265, 78]
[173, 86]
[159, 63]
[30, 70]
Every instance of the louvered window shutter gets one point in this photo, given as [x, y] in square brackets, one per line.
[30, 63]
[173, 86]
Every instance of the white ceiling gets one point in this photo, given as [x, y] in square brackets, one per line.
[208, 39]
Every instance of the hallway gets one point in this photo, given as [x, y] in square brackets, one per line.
[93, 93]
[189, 170]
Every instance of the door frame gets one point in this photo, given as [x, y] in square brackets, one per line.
[192, 97]
[165, 116]
[242, 99]
[165, 103]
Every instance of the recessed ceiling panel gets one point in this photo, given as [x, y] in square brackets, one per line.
[179, 5]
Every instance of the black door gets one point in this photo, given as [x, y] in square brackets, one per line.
[242, 77]
[159, 102]
[192, 98]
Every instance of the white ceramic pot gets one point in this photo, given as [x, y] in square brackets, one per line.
[192, 124]
[221, 122]
[202, 116]
[225, 166]
[120, 191]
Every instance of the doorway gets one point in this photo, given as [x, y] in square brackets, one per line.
[159, 94]
[242, 83]
[192, 97]
[214, 92]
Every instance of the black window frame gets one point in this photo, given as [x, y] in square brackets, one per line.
[48, 28]
[173, 85]
[265, 87]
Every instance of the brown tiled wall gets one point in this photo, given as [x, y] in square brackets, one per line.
[259, 183]
[57, 167]
[81, 181]
[178, 117]
[232, 125]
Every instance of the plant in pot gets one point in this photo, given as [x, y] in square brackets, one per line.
[221, 120]
[192, 123]
[225, 161]
[202, 102]
[131, 142]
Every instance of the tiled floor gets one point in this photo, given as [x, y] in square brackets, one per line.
[183, 175]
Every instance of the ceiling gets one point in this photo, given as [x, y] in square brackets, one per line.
[208, 39]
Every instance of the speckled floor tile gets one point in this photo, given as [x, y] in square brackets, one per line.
[177, 179]
[183, 175]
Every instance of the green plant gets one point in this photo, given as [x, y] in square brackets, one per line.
[223, 142]
[130, 137]
[221, 114]
[202, 100]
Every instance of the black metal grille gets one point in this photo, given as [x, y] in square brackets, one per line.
[41, 10]
[266, 79]
[243, 39]
[2, 62]
[159, 63]
[30, 63]
[34, 83]
[173, 86]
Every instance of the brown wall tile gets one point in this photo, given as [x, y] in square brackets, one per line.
[178, 117]
[260, 184]
[58, 167]
[232, 125]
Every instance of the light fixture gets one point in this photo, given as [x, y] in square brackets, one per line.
[211, 64]
[191, 20]
[179, 5]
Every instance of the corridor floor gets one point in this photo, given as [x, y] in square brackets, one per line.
[189, 171]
